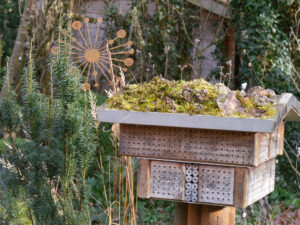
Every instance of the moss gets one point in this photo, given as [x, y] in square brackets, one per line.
[268, 110]
[192, 97]
[247, 102]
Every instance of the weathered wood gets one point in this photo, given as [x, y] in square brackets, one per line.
[181, 213]
[277, 141]
[216, 215]
[261, 150]
[143, 190]
[210, 215]
[204, 60]
[218, 185]
[217, 7]
[240, 187]
[167, 180]
[261, 181]
[288, 109]
[194, 214]
[280, 144]
[195, 145]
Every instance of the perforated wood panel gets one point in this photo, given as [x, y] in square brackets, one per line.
[193, 145]
[220, 185]
[167, 180]
[216, 184]
[261, 181]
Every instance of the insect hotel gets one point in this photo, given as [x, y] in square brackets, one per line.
[226, 162]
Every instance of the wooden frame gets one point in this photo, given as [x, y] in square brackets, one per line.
[219, 7]
[246, 184]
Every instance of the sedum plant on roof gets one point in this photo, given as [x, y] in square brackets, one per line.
[195, 97]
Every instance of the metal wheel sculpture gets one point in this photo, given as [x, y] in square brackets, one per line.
[93, 56]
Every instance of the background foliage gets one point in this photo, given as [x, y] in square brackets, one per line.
[9, 20]
[267, 55]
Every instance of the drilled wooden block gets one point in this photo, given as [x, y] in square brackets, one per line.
[167, 180]
[216, 184]
[199, 145]
[194, 145]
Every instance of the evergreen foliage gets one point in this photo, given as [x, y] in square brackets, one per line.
[262, 42]
[48, 170]
[269, 56]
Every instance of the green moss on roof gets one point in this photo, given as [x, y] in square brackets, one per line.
[191, 97]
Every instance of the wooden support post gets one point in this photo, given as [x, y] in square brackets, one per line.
[204, 214]
[181, 210]
[143, 190]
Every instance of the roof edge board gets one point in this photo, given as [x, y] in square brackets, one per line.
[288, 109]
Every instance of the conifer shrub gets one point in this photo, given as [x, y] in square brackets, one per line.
[47, 171]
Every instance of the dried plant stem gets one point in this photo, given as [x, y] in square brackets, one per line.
[129, 176]
[111, 69]
[289, 160]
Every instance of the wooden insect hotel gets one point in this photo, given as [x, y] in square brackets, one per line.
[209, 165]
[200, 159]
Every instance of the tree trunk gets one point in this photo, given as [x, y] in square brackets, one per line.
[15, 64]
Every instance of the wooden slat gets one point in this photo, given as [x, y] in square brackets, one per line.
[261, 148]
[260, 181]
[181, 213]
[188, 121]
[240, 187]
[280, 138]
[143, 180]
[194, 214]
[213, 6]
[276, 142]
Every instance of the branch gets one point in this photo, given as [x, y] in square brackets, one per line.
[15, 65]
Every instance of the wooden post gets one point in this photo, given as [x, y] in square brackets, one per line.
[143, 190]
[204, 214]
[181, 210]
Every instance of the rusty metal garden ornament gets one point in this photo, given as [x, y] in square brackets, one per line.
[94, 56]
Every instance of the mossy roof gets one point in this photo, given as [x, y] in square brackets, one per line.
[192, 97]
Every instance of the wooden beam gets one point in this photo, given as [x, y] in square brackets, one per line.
[212, 215]
[181, 215]
[194, 214]
[217, 7]
[240, 187]
[143, 190]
